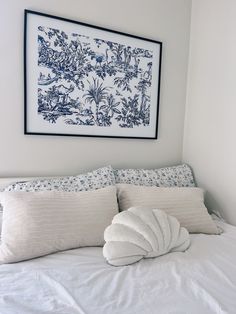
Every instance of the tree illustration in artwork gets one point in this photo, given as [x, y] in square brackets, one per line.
[91, 81]
[97, 94]
[109, 109]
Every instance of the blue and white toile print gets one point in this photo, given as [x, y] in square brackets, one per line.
[86, 81]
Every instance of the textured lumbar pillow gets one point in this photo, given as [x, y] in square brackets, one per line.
[40, 223]
[138, 233]
[93, 180]
[185, 204]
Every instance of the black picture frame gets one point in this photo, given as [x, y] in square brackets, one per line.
[39, 116]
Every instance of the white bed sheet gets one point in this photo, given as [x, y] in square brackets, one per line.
[200, 280]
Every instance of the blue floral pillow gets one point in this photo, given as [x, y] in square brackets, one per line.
[179, 176]
[96, 179]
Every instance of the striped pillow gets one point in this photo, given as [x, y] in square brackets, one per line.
[93, 180]
[186, 204]
[40, 223]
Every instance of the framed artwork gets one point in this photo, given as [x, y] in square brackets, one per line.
[84, 80]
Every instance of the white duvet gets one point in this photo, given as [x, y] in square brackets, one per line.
[200, 280]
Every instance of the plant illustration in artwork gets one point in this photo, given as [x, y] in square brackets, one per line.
[92, 82]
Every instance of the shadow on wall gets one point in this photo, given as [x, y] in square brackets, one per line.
[213, 205]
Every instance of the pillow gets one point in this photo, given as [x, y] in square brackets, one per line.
[40, 223]
[186, 204]
[96, 179]
[171, 176]
[143, 233]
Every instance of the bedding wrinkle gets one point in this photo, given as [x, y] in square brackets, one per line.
[28, 302]
[62, 292]
[203, 295]
[222, 274]
[22, 307]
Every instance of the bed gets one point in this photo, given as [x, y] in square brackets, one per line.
[200, 280]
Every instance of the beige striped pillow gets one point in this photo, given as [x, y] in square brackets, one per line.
[186, 204]
[40, 223]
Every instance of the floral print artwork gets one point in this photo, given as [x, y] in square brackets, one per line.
[89, 81]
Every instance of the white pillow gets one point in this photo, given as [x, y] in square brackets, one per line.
[40, 223]
[185, 204]
[137, 233]
[93, 180]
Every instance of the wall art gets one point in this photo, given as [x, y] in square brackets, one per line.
[84, 80]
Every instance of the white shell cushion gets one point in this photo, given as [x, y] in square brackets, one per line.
[138, 233]
[185, 204]
[40, 223]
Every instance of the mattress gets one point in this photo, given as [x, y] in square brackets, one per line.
[200, 280]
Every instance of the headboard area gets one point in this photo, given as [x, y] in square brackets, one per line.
[180, 175]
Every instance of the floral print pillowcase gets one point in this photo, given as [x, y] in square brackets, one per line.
[96, 179]
[177, 176]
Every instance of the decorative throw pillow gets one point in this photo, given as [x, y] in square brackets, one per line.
[96, 179]
[180, 176]
[143, 233]
[40, 223]
[186, 204]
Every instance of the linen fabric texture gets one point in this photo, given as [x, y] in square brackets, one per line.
[93, 180]
[40, 223]
[185, 204]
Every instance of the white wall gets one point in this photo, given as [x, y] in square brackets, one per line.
[164, 20]
[210, 128]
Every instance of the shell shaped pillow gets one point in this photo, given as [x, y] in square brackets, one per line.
[137, 233]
